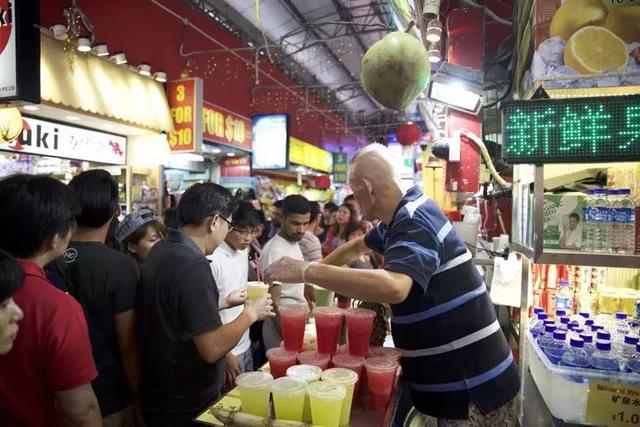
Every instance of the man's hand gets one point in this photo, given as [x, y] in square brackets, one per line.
[285, 270]
[259, 309]
[237, 297]
[233, 369]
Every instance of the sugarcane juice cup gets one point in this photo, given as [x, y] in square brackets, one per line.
[308, 374]
[326, 403]
[288, 398]
[254, 388]
[256, 290]
[348, 379]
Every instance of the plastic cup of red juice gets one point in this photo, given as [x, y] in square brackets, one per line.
[314, 358]
[381, 377]
[293, 320]
[328, 324]
[280, 360]
[388, 352]
[359, 328]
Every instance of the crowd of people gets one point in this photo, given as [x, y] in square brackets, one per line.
[146, 321]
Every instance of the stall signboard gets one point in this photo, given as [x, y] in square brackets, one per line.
[340, 168]
[45, 138]
[224, 127]
[185, 103]
[19, 50]
[304, 154]
[580, 130]
[235, 167]
[613, 404]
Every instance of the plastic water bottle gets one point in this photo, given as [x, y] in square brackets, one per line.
[621, 326]
[563, 323]
[573, 325]
[602, 233]
[538, 326]
[588, 222]
[588, 343]
[603, 359]
[575, 355]
[534, 318]
[626, 349]
[560, 312]
[556, 349]
[546, 338]
[595, 328]
[581, 317]
[588, 323]
[633, 364]
[564, 298]
[624, 223]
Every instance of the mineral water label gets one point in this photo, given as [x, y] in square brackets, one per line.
[624, 215]
[613, 404]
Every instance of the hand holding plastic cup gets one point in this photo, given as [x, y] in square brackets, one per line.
[293, 321]
[254, 388]
[347, 378]
[315, 359]
[326, 403]
[381, 377]
[359, 329]
[281, 359]
[288, 398]
[328, 325]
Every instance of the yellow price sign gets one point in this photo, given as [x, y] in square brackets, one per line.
[613, 404]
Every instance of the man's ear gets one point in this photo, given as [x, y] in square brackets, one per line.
[369, 186]
[132, 248]
[213, 222]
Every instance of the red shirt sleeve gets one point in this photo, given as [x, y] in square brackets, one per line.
[71, 360]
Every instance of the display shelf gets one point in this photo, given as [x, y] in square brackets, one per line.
[569, 257]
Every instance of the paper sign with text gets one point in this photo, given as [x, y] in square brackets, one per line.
[613, 404]
[185, 102]
[224, 127]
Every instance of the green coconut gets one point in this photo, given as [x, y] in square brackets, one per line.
[395, 70]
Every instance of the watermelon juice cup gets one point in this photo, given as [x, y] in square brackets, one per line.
[281, 359]
[293, 319]
[381, 377]
[359, 329]
[314, 358]
[355, 363]
[328, 325]
[388, 352]
[254, 388]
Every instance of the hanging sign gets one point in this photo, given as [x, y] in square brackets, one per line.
[613, 404]
[305, 154]
[51, 139]
[340, 168]
[185, 103]
[235, 166]
[222, 126]
[580, 130]
[19, 50]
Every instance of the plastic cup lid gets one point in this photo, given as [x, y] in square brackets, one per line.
[326, 390]
[576, 342]
[281, 353]
[328, 311]
[294, 308]
[257, 285]
[631, 339]
[559, 334]
[391, 352]
[346, 359]
[542, 316]
[286, 385]
[549, 328]
[254, 380]
[313, 357]
[360, 312]
[306, 373]
[603, 345]
[381, 363]
[621, 315]
[585, 314]
[603, 335]
[340, 376]
[564, 320]
[586, 337]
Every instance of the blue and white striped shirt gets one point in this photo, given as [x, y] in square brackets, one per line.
[453, 350]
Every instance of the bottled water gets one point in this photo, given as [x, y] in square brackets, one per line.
[573, 325]
[633, 326]
[595, 328]
[623, 211]
[546, 338]
[588, 323]
[581, 318]
[626, 349]
[633, 364]
[603, 359]
[564, 298]
[560, 312]
[538, 326]
[534, 318]
[588, 343]
[575, 355]
[563, 323]
[621, 326]
[601, 210]
[556, 349]
[588, 222]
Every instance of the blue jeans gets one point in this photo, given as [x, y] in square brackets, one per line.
[246, 361]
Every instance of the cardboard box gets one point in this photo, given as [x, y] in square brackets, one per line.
[562, 221]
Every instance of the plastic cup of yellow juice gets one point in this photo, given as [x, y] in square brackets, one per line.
[326, 402]
[254, 388]
[348, 379]
[308, 374]
[256, 290]
[288, 398]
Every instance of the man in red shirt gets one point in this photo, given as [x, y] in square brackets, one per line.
[46, 378]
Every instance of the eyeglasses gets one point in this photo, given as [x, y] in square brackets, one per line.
[249, 232]
[229, 224]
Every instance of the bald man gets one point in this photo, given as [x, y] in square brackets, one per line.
[456, 362]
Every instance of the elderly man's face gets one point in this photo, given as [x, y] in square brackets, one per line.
[366, 200]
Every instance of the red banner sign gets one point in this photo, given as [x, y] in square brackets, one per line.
[185, 101]
[224, 127]
[235, 167]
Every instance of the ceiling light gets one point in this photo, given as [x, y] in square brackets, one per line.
[144, 69]
[160, 76]
[59, 31]
[119, 58]
[455, 95]
[84, 44]
[231, 154]
[30, 107]
[434, 31]
[215, 150]
[72, 118]
[433, 54]
[188, 157]
[101, 49]
[301, 169]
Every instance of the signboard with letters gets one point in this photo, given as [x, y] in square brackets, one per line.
[235, 167]
[19, 50]
[579, 130]
[305, 154]
[185, 103]
[613, 404]
[45, 138]
[340, 168]
[224, 127]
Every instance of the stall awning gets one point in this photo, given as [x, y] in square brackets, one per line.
[90, 84]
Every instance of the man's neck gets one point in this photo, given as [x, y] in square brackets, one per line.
[286, 238]
[233, 248]
[393, 196]
[197, 237]
[41, 259]
[85, 234]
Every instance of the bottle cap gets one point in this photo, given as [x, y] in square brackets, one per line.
[578, 330]
[603, 335]
[596, 328]
[586, 337]
[549, 322]
[603, 345]
[588, 322]
[631, 339]
[620, 315]
[625, 191]
[559, 334]
[542, 316]
[564, 320]
[613, 191]
[638, 347]
[590, 191]
[549, 328]
[560, 312]
[576, 342]
[564, 282]
[573, 325]
[537, 310]
[585, 314]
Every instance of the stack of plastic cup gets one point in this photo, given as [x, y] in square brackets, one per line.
[388, 352]
[328, 327]
[288, 398]
[381, 377]
[314, 358]
[308, 374]
[254, 390]
[293, 321]
[355, 363]
[326, 403]
[256, 290]
[347, 378]
[359, 328]
[281, 359]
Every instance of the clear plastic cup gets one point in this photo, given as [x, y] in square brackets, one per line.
[381, 377]
[347, 378]
[288, 398]
[293, 321]
[314, 358]
[308, 374]
[256, 290]
[389, 352]
[254, 388]
[359, 329]
[324, 297]
[281, 359]
[355, 363]
[326, 403]
[328, 326]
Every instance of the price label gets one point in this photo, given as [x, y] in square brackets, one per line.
[613, 404]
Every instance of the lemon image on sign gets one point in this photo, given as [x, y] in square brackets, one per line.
[576, 14]
[594, 50]
[624, 22]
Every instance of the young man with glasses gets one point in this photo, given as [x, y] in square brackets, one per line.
[230, 268]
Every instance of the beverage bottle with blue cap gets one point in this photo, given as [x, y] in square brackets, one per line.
[633, 363]
[621, 326]
[623, 211]
[534, 318]
[575, 355]
[546, 338]
[589, 347]
[603, 359]
[603, 335]
[588, 222]
[625, 349]
[538, 326]
[556, 349]
[563, 322]
[602, 234]
[564, 298]
[581, 318]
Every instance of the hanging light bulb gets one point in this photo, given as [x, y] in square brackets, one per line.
[434, 31]
[433, 54]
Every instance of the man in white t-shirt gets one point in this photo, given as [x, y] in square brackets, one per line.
[571, 236]
[230, 267]
[295, 217]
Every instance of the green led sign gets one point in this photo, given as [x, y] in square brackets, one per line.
[579, 130]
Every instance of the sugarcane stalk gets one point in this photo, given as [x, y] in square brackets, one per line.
[233, 418]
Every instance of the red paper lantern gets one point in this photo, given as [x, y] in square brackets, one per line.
[408, 134]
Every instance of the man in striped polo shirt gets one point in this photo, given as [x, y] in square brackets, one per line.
[456, 361]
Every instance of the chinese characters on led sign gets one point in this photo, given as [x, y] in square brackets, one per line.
[572, 130]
